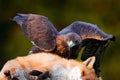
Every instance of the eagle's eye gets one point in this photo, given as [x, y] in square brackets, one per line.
[76, 42]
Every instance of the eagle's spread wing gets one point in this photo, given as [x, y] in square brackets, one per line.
[94, 40]
[87, 31]
[38, 29]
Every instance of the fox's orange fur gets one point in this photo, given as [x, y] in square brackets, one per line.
[21, 66]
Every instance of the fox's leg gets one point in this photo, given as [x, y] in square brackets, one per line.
[40, 75]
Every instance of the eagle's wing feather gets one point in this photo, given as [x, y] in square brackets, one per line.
[87, 31]
[38, 29]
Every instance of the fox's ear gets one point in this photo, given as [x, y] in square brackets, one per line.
[90, 62]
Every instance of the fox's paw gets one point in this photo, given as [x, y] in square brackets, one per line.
[8, 75]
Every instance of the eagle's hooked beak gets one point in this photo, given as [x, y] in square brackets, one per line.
[71, 44]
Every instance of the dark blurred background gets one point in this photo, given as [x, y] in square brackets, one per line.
[104, 13]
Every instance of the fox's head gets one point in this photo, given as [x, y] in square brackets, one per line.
[87, 70]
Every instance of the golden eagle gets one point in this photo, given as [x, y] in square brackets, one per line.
[66, 43]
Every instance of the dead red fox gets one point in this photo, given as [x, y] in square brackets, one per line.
[59, 68]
